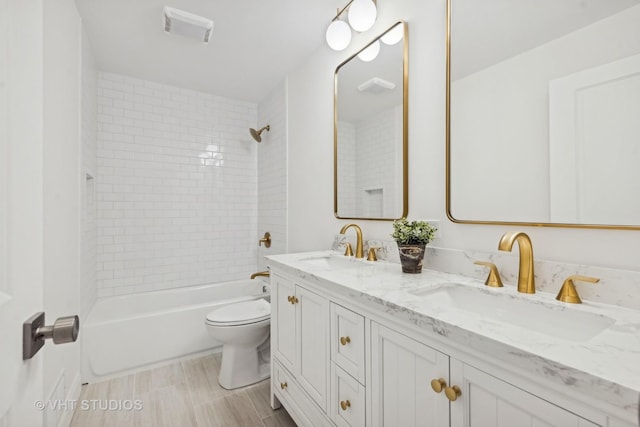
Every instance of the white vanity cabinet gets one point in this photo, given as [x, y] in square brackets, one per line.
[402, 370]
[338, 362]
[300, 338]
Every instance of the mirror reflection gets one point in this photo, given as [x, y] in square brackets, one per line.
[370, 130]
[544, 108]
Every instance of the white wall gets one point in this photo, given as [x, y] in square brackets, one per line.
[310, 95]
[62, 178]
[176, 187]
[501, 152]
[272, 173]
[88, 134]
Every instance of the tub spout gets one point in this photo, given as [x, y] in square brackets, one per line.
[260, 274]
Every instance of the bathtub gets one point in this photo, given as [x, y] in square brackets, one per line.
[128, 333]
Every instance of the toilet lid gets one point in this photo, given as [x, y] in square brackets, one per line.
[241, 313]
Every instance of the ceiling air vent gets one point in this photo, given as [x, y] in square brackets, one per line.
[376, 85]
[187, 24]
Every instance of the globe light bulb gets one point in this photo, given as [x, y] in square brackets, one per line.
[362, 15]
[370, 53]
[338, 35]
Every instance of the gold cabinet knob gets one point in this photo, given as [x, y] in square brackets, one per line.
[345, 340]
[283, 385]
[438, 385]
[289, 299]
[452, 393]
[294, 300]
[344, 404]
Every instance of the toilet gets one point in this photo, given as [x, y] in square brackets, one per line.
[243, 329]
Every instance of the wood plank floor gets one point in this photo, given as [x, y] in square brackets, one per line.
[182, 394]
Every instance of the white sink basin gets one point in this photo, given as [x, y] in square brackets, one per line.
[330, 262]
[547, 317]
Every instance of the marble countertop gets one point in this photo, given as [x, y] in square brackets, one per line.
[605, 366]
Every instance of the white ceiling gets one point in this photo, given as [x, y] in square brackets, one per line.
[486, 32]
[255, 43]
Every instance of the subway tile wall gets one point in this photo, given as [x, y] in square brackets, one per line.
[347, 169]
[378, 185]
[272, 173]
[176, 192]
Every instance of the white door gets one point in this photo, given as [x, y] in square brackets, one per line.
[21, 207]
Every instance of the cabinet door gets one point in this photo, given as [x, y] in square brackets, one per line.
[489, 401]
[401, 374]
[283, 325]
[347, 341]
[313, 348]
[347, 403]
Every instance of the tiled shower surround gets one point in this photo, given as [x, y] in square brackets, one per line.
[176, 193]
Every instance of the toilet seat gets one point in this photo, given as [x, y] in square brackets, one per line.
[241, 313]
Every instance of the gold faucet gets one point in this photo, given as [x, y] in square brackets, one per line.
[260, 274]
[526, 280]
[359, 250]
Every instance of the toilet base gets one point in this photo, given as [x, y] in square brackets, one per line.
[241, 366]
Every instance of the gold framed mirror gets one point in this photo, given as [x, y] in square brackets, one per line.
[370, 129]
[542, 105]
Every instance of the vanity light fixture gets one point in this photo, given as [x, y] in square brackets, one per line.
[186, 24]
[361, 16]
[370, 53]
[393, 36]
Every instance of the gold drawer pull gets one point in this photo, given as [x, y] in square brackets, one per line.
[283, 385]
[344, 404]
[438, 385]
[452, 393]
[345, 340]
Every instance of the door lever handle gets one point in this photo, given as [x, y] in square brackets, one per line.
[34, 333]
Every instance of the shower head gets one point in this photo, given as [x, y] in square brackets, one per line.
[256, 133]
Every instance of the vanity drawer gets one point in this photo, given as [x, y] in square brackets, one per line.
[347, 404]
[347, 341]
[290, 394]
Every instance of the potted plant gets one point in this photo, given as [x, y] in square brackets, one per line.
[412, 239]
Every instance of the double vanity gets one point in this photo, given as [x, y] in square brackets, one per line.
[358, 343]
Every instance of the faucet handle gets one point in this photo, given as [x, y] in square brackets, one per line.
[568, 292]
[371, 256]
[349, 249]
[493, 280]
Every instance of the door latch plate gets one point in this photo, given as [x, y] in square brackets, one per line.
[31, 343]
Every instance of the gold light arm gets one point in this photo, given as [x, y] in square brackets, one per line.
[493, 280]
[568, 292]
